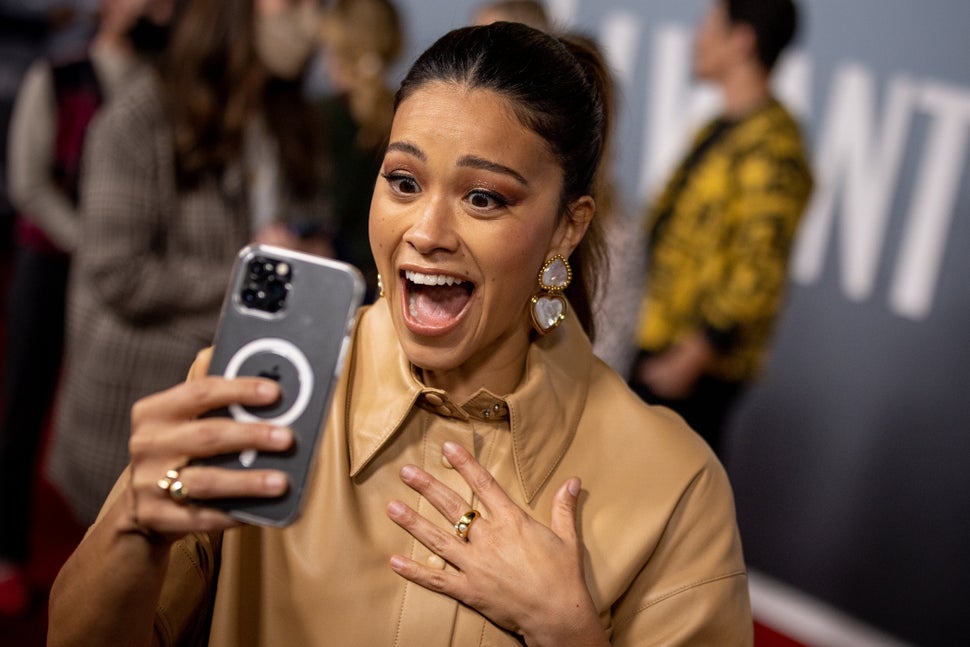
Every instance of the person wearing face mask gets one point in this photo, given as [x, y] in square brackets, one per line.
[56, 102]
[214, 151]
[361, 39]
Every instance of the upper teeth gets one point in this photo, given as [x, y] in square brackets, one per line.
[431, 279]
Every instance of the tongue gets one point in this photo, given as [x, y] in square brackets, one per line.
[438, 305]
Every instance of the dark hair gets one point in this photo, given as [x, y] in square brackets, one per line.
[560, 89]
[213, 83]
[775, 23]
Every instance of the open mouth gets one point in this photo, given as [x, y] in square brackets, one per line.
[435, 302]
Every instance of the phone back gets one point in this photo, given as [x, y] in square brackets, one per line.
[287, 316]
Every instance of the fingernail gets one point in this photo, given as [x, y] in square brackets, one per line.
[408, 472]
[267, 389]
[275, 481]
[395, 508]
[574, 487]
[280, 436]
[448, 447]
[397, 562]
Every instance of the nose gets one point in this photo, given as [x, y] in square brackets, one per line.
[434, 229]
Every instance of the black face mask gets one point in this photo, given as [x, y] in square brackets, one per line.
[148, 37]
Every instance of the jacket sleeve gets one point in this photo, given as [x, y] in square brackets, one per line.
[30, 160]
[694, 588]
[772, 189]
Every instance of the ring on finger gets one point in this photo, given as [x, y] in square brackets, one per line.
[466, 521]
[173, 485]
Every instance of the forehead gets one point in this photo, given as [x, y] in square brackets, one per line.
[444, 96]
[466, 116]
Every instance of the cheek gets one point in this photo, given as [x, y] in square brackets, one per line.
[381, 231]
[515, 270]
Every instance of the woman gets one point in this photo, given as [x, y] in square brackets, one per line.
[454, 419]
[361, 40]
[181, 171]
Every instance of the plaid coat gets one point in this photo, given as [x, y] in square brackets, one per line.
[145, 291]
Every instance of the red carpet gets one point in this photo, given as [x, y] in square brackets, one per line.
[53, 536]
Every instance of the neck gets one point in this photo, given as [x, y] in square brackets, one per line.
[499, 370]
[745, 89]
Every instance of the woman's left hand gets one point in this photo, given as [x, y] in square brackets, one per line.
[522, 575]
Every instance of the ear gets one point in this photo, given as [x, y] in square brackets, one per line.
[572, 226]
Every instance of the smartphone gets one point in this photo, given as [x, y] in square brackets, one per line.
[287, 316]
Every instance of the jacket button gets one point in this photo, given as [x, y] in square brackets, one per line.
[434, 399]
[446, 462]
[434, 561]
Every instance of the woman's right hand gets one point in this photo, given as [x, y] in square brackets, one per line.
[167, 433]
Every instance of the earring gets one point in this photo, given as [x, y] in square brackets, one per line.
[549, 305]
[380, 285]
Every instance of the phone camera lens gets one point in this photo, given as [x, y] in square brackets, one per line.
[260, 268]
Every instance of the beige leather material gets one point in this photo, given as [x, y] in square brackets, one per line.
[663, 556]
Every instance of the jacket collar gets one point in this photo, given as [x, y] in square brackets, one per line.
[543, 411]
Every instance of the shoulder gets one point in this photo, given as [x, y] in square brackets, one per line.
[650, 443]
[133, 119]
[39, 78]
[773, 126]
[138, 105]
[770, 150]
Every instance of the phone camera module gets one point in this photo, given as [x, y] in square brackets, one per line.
[267, 284]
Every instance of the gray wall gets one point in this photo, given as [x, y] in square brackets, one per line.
[849, 458]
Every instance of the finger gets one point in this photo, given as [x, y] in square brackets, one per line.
[192, 399]
[200, 367]
[563, 520]
[174, 520]
[209, 437]
[433, 579]
[441, 542]
[482, 483]
[203, 483]
[444, 499]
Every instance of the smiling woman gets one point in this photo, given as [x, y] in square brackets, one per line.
[455, 419]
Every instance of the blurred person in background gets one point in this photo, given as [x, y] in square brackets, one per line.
[56, 102]
[361, 40]
[29, 29]
[721, 232]
[527, 12]
[213, 152]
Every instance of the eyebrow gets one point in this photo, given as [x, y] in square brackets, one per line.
[472, 161]
[409, 148]
[469, 161]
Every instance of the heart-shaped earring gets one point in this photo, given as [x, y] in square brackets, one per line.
[548, 311]
[549, 305]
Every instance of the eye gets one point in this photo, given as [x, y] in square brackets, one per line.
[485, 200]
[401, 183]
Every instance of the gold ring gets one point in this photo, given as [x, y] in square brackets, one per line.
[461, 528]
[173, 486]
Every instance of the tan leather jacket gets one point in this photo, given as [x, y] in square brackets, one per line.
[663, 557]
